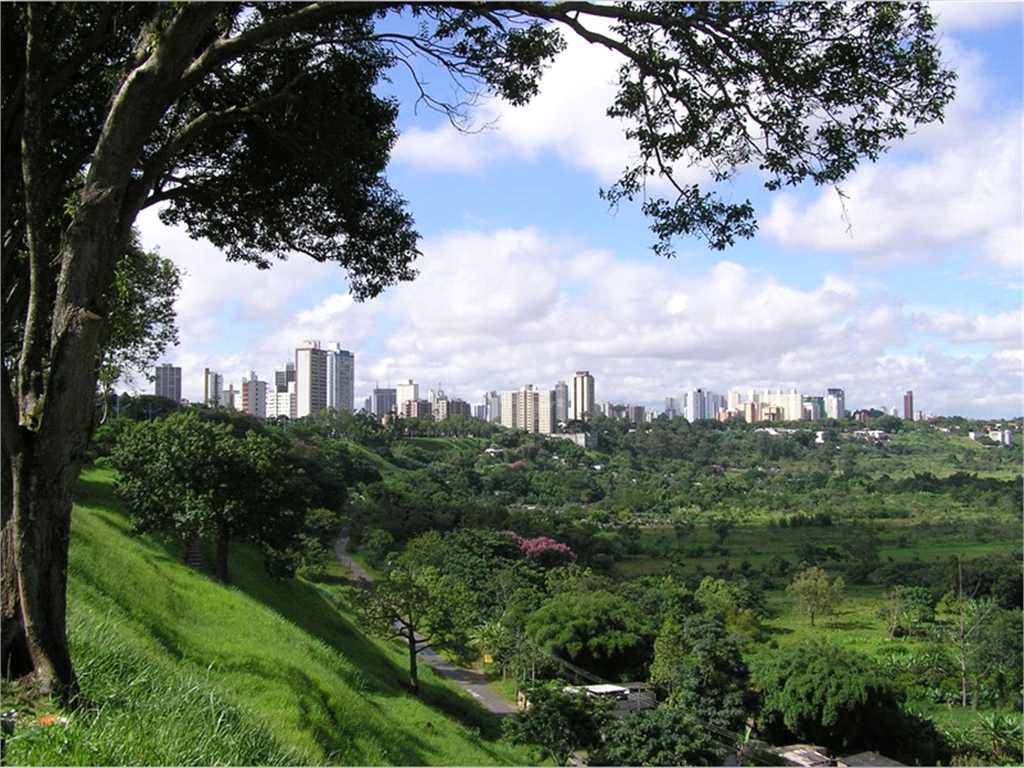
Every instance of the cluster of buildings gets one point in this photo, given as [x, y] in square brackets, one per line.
[317, 379]
[324, 377]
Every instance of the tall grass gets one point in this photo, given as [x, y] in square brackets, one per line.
[177, 669]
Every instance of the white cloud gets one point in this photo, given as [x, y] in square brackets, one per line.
[954, 15]
[965, 195]
[568, 117]
[1004, 330]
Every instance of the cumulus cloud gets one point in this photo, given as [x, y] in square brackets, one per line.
[966, 195]
[568, 117]
[1004, 330]
[955, 15]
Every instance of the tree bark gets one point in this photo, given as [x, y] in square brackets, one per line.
[414, 678]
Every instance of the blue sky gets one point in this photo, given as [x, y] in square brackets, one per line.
[527, 276]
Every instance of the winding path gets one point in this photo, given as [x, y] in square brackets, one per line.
[473, 682]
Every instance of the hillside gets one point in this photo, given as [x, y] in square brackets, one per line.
[180, 670]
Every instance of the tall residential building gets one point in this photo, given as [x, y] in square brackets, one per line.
[492, 407]
[814, 408]
[561, 402]
[416, 409]
[671, 407]
[697, 405]
[908, 405]
[213, 383]
[254, 396]
[168, 382]
[835, 404]
[406, 391]
[281, 403]
[310, 379]
[228, 397]
[735, 400]
[526, 416]
[283, 378]
[545, 407]
[789, 405]
[582, 396]
[383, 401]
[510, 409]
[459, 407]
[341, 373]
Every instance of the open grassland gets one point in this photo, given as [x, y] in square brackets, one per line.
[177, 669]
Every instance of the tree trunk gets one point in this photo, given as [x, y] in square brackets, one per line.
[16, 660]
[414, 678]
[222, 558]
[35, 589]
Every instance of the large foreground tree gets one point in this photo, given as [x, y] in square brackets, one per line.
[257, 126]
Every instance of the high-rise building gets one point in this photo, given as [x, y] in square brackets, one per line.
[416, 409]
[254, 396]
[459, 407]
[696, 405]
[671, 407]
[341, 371]
[228, 397]
[283, 378]
[546, 403]
[492, 406]
[561, 402]
[282, 403]
[406, 391]
[635, 413]
[835, 404]
[168, 382]
[213, 383]
[310, 379]
[510, 409]
[582, 396]
[383, 401]
[814, 408]
[908, 405]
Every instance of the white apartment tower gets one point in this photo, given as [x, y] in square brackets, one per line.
[835, 404]
[282, 403]
[310, 379]
[582, 396]
[254, 396]
[510, 409]
[406, 391]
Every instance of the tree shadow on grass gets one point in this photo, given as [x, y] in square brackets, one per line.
[309, 609]
[848, 625]
[459, 707]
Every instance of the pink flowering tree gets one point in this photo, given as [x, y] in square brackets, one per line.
[544, 551]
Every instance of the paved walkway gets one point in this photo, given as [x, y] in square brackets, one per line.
[472, 682]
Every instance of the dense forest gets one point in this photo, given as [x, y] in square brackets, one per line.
[769, 584]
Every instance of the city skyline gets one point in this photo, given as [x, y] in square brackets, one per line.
[908, 281]
[405, 399]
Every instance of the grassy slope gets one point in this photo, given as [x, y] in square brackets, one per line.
[294, 675]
